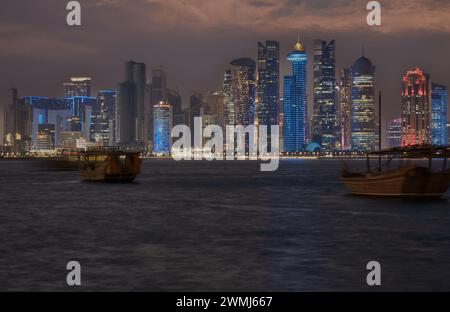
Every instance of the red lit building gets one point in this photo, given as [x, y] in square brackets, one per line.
[416, 108]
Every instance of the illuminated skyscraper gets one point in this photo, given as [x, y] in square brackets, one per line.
[243, 90]
[174, 99]
[345, 108]
[158, 93]
[363, 137]
[81, 108]
[268, 86]
[394, 133]
[324, 126]
[416, 108]
[215, 104]
[131, 105]
[439, 97]
[104, 117]
[162, 122]
[229, 113]
[295, 101]
[77, 86]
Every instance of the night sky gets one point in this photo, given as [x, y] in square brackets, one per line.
[194, 40]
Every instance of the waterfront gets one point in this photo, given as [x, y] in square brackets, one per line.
[220, 226]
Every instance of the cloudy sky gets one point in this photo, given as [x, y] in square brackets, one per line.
[194, 40]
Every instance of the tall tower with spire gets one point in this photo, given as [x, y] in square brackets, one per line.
[295, 101]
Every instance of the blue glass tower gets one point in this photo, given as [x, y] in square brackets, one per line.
[295, 101]
[439, 114]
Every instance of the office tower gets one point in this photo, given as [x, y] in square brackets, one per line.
[229, 113]
[439, 98]
[416, 108]
[363, 137]
[18, 124]
[45, 137]
[162, 122]
[394, 133]
[158, 93]
[345, 108]
[448, 134]
[197, 108]
[215, 104]
[131, 105]
[324, 128]
[81, 109]
[268, 86]
[174, 99]
[104, 117]
[77, 86]
[243, 90]
[48, 111]
[295, 101]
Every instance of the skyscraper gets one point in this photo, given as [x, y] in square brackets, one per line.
[215, 103]
[363, 137]
[229, 113]
[243, 90]
[268, 86]
[158, 94]
[174, 99]
[345, 108]
[131, 105]
[81, 108]
[18, 124]
[295, 101]
[77, 86]
[416, 108]
[104, 117]
[162, 122]
[324, 116]
[439, 98]
[394, 133]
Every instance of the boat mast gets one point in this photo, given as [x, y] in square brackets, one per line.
[379, 130]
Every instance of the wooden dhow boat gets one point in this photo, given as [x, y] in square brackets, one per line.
[408, 180]
[110, 164]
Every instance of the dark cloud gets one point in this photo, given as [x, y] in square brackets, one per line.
[196, 39]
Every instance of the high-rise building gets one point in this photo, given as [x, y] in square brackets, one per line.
[416, 108]
[197, 108]
[158, 93]
[243, 90]
[363, 137]
[48, 111]
[174, 99]
[45, 137]
[215, 104]
[81, 109]
[104, 117]
[18, 124]
[324, 128]
[229, 112]
[268, 85]
[345, 108]
[295, 101]
[162, 122]
[439, 98]
[131, 106]
[394, 133]
[77, 86]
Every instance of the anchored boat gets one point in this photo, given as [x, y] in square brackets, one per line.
[408, 180]
[110, 165]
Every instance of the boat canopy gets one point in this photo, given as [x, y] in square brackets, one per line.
[416, 151]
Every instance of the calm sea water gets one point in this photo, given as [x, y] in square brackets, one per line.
[216, 226]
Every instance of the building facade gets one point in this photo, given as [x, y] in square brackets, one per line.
[243, 86]
[324, 127]
[162, 122]
[345, 109]
[77, 86]
[295, 102]
[394, 133]
[268, 85]
[416, 108]
[439, 96]
[363, 129]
